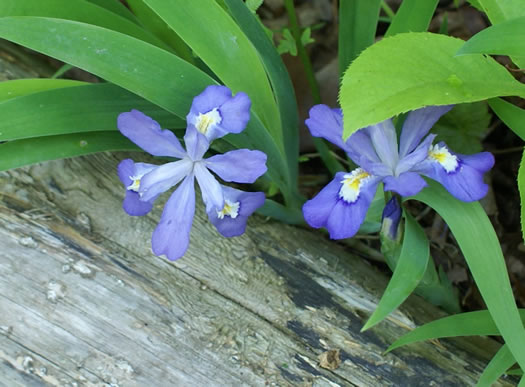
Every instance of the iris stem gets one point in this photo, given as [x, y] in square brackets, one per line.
[331, 163]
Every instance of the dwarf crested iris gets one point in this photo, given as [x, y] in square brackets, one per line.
[341, 206]
[213, 114]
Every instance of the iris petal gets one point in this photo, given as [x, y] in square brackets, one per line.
[241, 166]
[196, 143]
[132, 204]
[210, 187]
[406, 184]
[327, 123]
[163, 178]
[384, 139]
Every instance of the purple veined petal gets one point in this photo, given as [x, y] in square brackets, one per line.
[415, 157]
[466, 181]
[172, 235]
[327, 123]
[235, 115]
[417, 125]
[241, 166]
[231, 221]
[360, 149]
[341, 218]
[406, 184]
[210, 188]
[384, 140]
[163, 178]
[196, 143]
[129, 172]
[147, 133]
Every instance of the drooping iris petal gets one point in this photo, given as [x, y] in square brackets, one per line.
[215, 112]
[384, 140]
[406, 184]
[417, 125]
[466, 181]
[163, 177]
[416, 156]
[147, 133]
[241, 166]
[327, 123]
[341, 217]
[196, 143]
[239, 205]
[172, 235]
[210, 188]
[361, 150]
[129, 172]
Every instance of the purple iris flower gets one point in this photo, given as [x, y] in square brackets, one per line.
[341, 206]
[213, 114]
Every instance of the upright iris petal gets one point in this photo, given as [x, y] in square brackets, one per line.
[342, 205]
[214, 113]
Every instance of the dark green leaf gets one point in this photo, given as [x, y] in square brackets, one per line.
[500, 363]
[511, 115]
[19, 87]
[412, 16]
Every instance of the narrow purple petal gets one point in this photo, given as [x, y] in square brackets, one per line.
[164, 177]
[384, 140]
[417, 125]
[172, 235]
[360, 149]
[196, 143]
[415, 157]
[406, 184]
[147, 133]
[235, 224]
[210, 188]
[466, 182]
[327, 123]
[241, 166]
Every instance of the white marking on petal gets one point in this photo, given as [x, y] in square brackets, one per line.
[352, 183]
[442, 155]
[206, 122]
[230, 209]
[135, 185]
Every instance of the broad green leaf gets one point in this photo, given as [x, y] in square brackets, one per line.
[89, 108]
[412, 70]
[481, 248]
[357, 28]
[500, 363]
[506, 38]
[498, 11]
[521, 187]
[212, 34]
[33, 150]
[464, 127]
[284, 214]
[511, 115]
[77, 10]
[412, 15]
[155, 74]
[116, 6]
[478, 323]
[279, 78]
[409, 270]
[19, 87]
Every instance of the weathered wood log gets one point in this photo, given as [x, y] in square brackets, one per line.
[83, 301]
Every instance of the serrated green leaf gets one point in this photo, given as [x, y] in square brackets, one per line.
[409, 270]
[521, 187]
[412, 15]
[88, 108]
[497, 366]
[412, 70]
[506, 38]
[287, 44]
[306, 37]
[464, 127]
[481, 248]
[511, 115]
[33, 150]
[19, 87]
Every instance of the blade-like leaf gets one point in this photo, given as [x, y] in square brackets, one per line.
[506, 38]
[521, 187]
[357, 28]
[88, 108]
[212, 34]
[19, 87]
[33, 150]
[500, 363]
[481, 248]
[117, 7]
[408, 272]
[412, 15]
[421, 71]
[511, 115]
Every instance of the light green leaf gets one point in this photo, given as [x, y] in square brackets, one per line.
[506, 38]
[511, 115]
[221, 44]
[253, 5]
[306, 37]
[412, 70]
[521, 187]
[19, 87]
[481, 248]
[498, 11]
[33, 150]
[464, 127]
[412, 15]
[500, 363]
[408, 272]
[287, 44]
